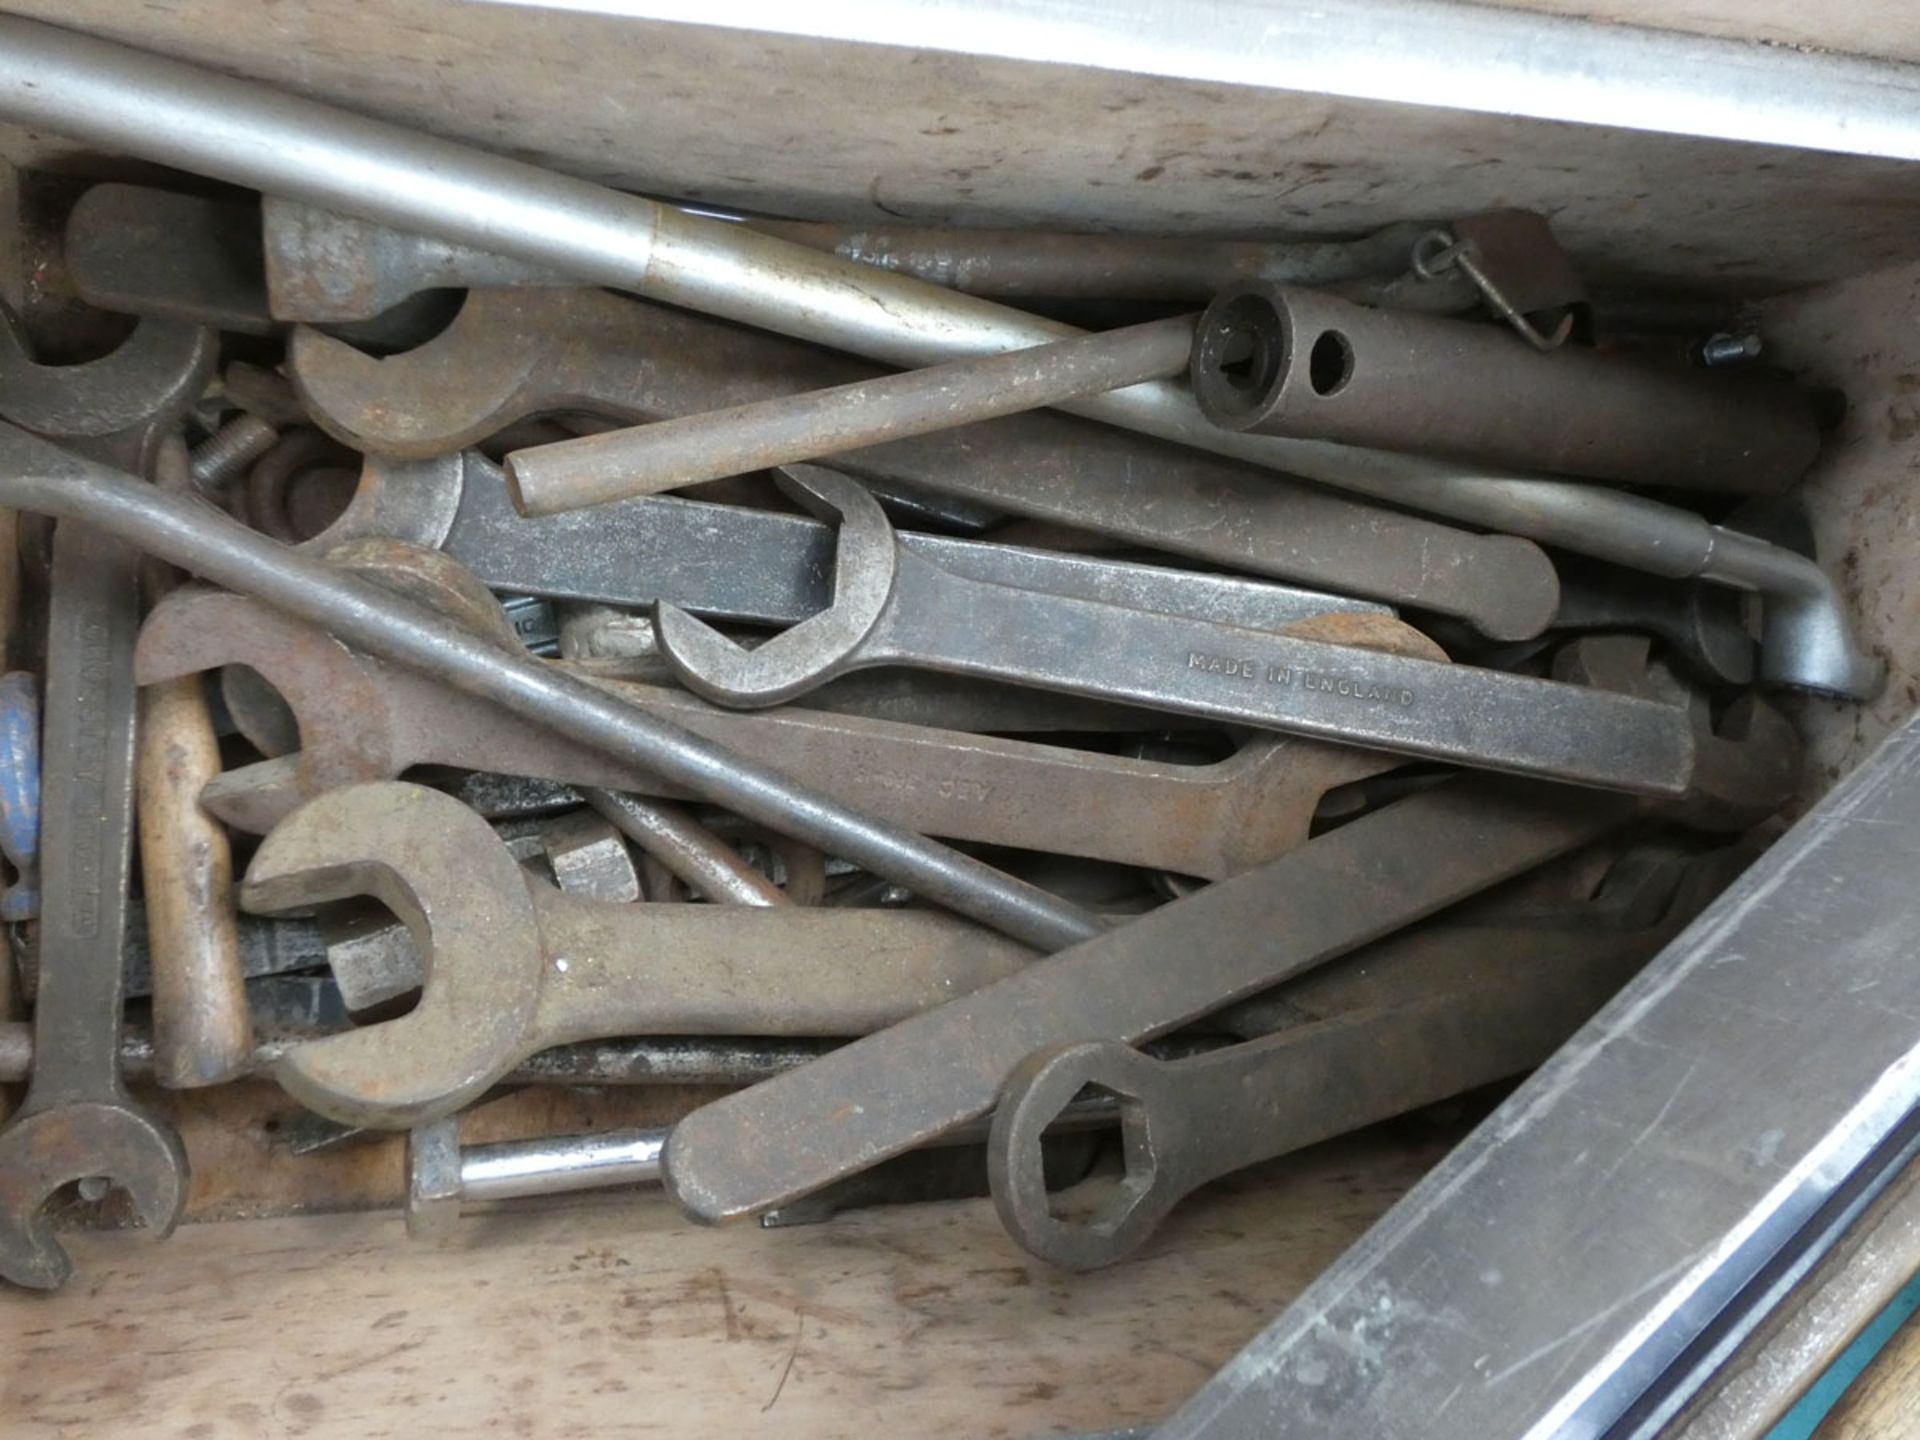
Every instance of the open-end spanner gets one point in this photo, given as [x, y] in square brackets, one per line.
[362, 720]
[1407, 1021]
[891, 607]
[888, 1092]
[737, 563]
[77, 1122]
[510, 353]
[512, 966]
[113, 409]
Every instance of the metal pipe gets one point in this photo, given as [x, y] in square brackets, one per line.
[37, 475]
[559, 1164]
[646, 459]
[1028, 264]
[1278, 360]
[247, 133]
[687, 849]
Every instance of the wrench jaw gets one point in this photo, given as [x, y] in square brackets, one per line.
[1035, 1094]
[346, 727]
[807, 654]
[443, 871]
[44, 1150]
[413, 500]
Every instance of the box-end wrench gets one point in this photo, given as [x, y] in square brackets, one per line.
[511, 353]
[888, 1092]
[513, 967]
[362, 720]
[895, 608]
[77, 1122]
[1407, 1021]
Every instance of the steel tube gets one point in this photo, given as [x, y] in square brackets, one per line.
[689, 850]
[39, 476]
[1278, 360]
[248, 133]
[559, 1164]
[646, 459]
[1028, 265]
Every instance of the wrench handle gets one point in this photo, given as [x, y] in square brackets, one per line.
[1467, 715]
[732, 970]
[87, 816]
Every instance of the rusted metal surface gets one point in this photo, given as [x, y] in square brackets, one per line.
[513, 353]
[1475, 995]
[513, 967]
[668, 454]
[688, 850]
[1318, 368]
[362, 720]
[1340, 890]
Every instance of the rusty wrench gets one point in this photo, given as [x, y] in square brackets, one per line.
[362, 720]
[77, 1121]
[512, 966]
[513, 353]
[891, 1091]
[1410, 1020]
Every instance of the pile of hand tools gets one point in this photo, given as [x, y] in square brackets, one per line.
[1227, 695]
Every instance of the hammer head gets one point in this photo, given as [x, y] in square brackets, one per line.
[443, 871]
[807, 654]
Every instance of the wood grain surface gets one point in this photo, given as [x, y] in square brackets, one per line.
[610, 1315]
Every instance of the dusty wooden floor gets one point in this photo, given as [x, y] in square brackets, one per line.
[609, 1315]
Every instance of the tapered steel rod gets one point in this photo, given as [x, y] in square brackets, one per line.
[646, 459]
[40, 476]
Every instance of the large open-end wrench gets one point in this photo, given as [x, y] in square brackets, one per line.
[895, 608]
[363, 720]
[513, 353]
[737, 563]
[512, 966]
[1459, 1002]
[1395, 866]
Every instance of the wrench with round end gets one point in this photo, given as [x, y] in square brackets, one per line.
[895, 608]
[513, 967]
[888, 1092]
[363, 720]
[1429, 1013]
